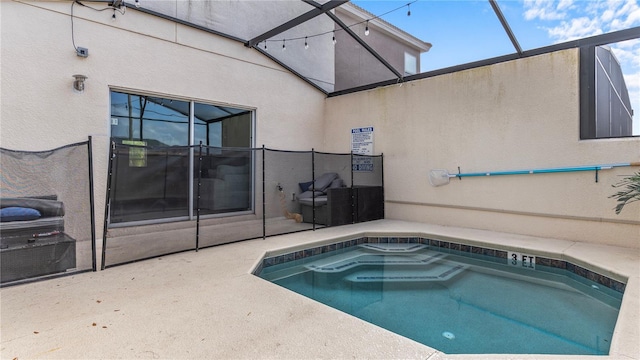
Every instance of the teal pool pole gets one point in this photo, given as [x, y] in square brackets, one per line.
[439, 177]
[549, 170]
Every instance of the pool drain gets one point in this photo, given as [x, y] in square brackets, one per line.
[448, 335]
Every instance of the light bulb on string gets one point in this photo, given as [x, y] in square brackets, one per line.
[113, 17]
[306, 40]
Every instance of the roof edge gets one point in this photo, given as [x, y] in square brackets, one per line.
[385, 26]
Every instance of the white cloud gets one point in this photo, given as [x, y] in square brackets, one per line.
[607, 15]
[633, 84]
[565, 4]
[545, 10]
[603, 16]
[628, 53]
[630, 16]
[575, 29]
[629, 43]
[627, 8]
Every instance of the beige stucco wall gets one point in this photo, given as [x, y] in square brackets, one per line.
[140, 53]
[516, 115]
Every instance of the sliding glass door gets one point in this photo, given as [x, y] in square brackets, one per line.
[155, 170]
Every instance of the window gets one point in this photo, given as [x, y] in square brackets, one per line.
[156, 167]
[410, 64]
[607, 109]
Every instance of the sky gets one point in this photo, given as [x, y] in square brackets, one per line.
[463, 31]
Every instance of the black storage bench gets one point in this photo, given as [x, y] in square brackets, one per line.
[332, 209]
[32, 239]
[345, 206]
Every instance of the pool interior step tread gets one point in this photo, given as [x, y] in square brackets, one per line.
[378, 254]
[364, 257]
[391, 262]
[442, 271]
[379, 260]
[397, 247]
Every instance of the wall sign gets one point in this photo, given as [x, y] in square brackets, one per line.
[362, 140]
[521, 260]
[362, 144]
[362, 164]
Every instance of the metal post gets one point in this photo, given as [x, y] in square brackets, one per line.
[382, 178]
[107, 204]
[506, 26]
[198, 198]
[313, 196]
[264, 208]
[92, 211]
[353, 199]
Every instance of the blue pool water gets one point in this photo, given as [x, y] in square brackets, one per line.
[458, 304]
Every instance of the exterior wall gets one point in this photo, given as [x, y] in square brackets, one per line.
[139, 53]
[515, 115]
[355, 66]
[253, 18]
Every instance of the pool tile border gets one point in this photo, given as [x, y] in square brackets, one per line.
[440, 246]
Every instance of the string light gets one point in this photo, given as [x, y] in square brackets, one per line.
[137, 3]
[366, 30]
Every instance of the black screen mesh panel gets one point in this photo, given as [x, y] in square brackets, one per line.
[286, 174]
[367, 170]
[46, 222]
[149, 183]
[171, 199]
[230, 195]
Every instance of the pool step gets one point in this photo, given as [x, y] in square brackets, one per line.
[393, 248]
[442, 271]
[360, 259]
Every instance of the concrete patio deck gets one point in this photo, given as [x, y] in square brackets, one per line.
[208, 305]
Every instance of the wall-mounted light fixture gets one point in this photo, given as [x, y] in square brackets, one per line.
[78, 83]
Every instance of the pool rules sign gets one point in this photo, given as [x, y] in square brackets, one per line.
[362, 144]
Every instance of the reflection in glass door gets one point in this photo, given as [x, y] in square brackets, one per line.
[150, 180]
[226, 184]
[153, 170]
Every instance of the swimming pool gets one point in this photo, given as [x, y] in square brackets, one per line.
[457, 298]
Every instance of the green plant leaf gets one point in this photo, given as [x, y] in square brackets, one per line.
[630, 191]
